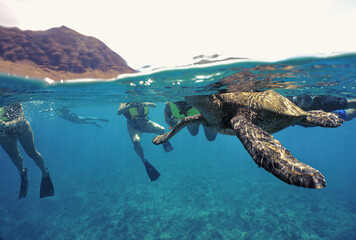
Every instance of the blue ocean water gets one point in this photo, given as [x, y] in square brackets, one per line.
[207, 190]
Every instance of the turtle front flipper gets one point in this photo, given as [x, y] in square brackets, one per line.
[195, 119]
[323, 119]
[270, 154]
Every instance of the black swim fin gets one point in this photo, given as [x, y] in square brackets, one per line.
[24, 184]
[153, 174]
[167, 147]
[46, 189]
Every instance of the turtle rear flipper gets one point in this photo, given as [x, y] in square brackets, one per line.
[323, 119]
[195, 119]
[270, 154]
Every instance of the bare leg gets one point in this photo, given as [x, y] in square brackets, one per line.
[135, 136]
[350, 114]
[9, 144]
[93, 123]
[25, 136]
[351, 103]
[85, 119]
[152, 127]
[97, 119]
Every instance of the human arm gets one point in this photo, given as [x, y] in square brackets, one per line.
[124, 107]
[149, 104]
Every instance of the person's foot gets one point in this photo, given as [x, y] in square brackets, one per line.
[350, 114]
[24, 184]
[45, 174]
[351, 103]
[103, 120]
[167, 147]
[46, 189]
[153, 174]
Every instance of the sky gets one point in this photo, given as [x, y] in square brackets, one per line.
[172, 32]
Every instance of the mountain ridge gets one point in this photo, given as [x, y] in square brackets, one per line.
[58, 53]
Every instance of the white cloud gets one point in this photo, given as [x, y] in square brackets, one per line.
[6, 17]
[163, 32]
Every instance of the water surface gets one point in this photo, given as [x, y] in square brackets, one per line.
[207, 190]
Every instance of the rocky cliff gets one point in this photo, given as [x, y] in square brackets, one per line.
[58, 53]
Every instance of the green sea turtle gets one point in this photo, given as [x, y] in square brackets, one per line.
[253, 117]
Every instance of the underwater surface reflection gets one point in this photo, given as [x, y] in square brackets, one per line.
[206, 189]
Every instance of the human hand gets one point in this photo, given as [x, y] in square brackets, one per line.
[149, 104]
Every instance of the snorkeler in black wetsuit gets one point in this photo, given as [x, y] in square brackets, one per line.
[346, 109]
[67, 114]
[15, 127]
[137, 123]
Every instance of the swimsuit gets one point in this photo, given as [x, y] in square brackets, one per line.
[137, 117]
[10, 118]
[323, 102]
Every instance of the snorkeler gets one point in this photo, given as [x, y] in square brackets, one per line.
[137, 123]
[346, 109]
[14, 127]
[176, 111]
[67, 114]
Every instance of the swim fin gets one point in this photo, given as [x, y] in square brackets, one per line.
[153, 174]
[167, 147]
[24, 184]
[46, 189]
